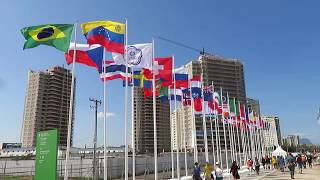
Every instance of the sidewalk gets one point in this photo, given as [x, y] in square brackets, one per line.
[307, 174]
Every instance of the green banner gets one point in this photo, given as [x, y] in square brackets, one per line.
[46, 155]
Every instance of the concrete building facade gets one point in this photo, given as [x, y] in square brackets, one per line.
[273, 138]
[291, 140]
[47, 105]
[221, 72]
[254, 105]
[143, 118]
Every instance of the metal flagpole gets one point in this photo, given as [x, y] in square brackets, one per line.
[204, 122]
[71, 105]
[133, 142]
[177, 124]
[229, 131]
[215, 112]
[237, 129]
[126, 106]
[212, 113]
[105, 162]
[154, 117]
[224, 131]
[171, 133]
[242, 137]
[185, 142]
[194, 131]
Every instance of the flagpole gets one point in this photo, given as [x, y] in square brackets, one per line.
[237, 129]
[171, 134]
[184, 142]
[154, 117]
[229, 130]
[247, 129]
[126, 105]
[212, 112]
[224, 131]
[105, 163]
[204, 123]
[177, 124]
[133, 142]
[215, 113]
[71, 105]
[194, 131]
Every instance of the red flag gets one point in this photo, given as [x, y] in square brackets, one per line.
[197, 104]
[163, 70]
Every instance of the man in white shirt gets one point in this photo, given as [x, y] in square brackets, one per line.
[218, 172]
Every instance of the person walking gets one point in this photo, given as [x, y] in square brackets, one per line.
[234, 170]
[304, 161]
[196, 172]
[309, 159]
[250, 166]
[274, 162]
[300, 163]
[281, 163]
[257, 165]
[263, 161]
[268, 161]
[291, 165]
[218, 172]
[207, 171]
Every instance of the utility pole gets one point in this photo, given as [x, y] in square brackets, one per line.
[95, 107]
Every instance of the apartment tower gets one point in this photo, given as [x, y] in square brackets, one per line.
[47, 105]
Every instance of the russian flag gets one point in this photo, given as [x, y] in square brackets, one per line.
[85, 54]
[181, 77]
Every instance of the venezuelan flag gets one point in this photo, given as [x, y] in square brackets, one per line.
[106, 33]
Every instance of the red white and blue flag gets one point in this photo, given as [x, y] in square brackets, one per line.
[90, 55]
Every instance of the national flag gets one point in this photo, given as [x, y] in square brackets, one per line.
[217, 102]
[177, 93]
[109, 34]
[55, 35]
[208, 93]
[139, 77]
[181, 77]
[139, 56]
[163, 70]
[86, 54]
[115, 71]
[232, 108]
[163, 92]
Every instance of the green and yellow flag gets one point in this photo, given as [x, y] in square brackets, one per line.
[56, 35]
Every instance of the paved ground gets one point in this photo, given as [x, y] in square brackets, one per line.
[307, 174]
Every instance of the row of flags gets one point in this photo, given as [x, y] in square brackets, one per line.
[171, 83]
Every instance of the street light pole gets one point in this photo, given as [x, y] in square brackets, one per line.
[95, 107]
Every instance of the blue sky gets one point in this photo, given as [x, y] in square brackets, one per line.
[278, 42]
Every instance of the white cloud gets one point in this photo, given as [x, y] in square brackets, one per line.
[319, 122]
[108, 114]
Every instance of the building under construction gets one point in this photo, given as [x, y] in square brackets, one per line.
[47, 105]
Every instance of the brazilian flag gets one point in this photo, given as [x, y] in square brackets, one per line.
[56, 35]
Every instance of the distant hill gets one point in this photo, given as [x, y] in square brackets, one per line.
[305, 141]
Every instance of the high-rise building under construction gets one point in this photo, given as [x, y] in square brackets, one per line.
[47, 105]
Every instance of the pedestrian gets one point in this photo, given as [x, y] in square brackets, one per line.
[304, 161]
[263, 161]
[257, 165]
[234, 170]
[196, 172]
[309, 159]
[250, 165]
[281, 163]
[291, 165]
[207, 171]
[300, 163]
[268, 161]
[274, 162]
[218, 172]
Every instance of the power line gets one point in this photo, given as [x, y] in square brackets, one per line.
[202, 52]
